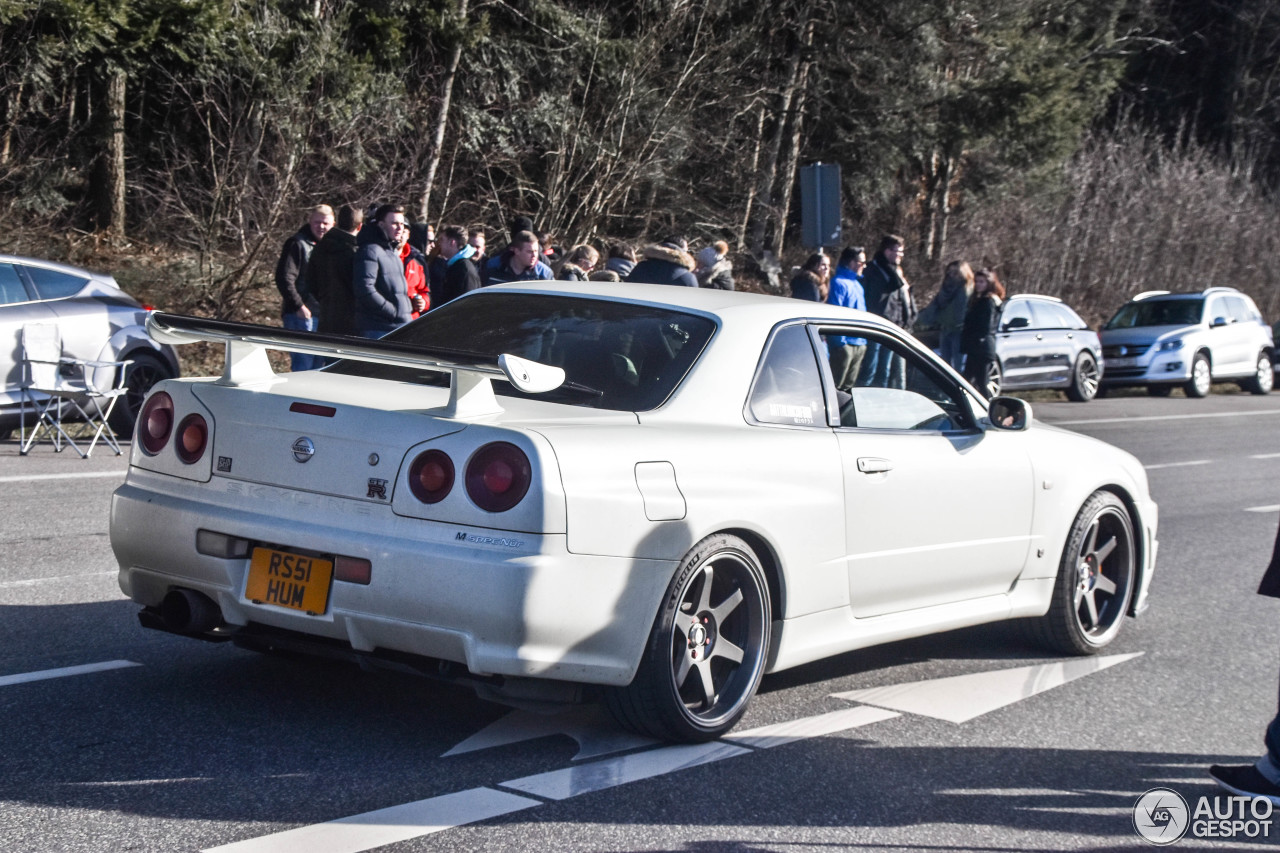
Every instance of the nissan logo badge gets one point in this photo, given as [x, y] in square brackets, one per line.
[303, 449]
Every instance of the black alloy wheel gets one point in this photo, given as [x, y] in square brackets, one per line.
[1095, 582]
[706, 652]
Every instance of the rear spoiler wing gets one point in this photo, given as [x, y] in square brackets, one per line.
[470, 390]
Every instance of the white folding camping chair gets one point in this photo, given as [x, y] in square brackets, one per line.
[62, 389]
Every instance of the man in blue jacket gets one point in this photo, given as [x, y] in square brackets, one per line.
[846, 290]
[381, 292]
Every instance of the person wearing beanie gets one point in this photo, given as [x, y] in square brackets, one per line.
[714, 269]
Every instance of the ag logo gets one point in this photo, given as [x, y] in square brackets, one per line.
[1161, 816]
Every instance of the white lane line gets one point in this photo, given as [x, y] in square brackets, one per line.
[1265, 456]
[24, 677]
[1271, 508]
[1167, 417]
[960, 698]
[386, 826]
[60, 579]
[30, 478]
[599, 775]
[400, 823]
[1178, 464]
[778, 734]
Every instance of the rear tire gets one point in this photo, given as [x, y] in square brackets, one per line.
[994, 380]
[707, 649]
[1095, 580]
[1084, 379]
[1264, 377]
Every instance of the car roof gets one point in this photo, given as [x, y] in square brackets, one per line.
[55, 265]
[1041, 297]
[741, 305]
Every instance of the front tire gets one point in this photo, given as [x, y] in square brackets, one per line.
[706, 653]
[1095, 580]
[1084, 379]
[1201, 377]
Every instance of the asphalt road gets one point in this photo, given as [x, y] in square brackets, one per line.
[117, 738]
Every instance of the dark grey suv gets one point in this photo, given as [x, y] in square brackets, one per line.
[96, 320]
[1042, 343]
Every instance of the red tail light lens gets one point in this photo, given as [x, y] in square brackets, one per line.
[155, 422]
[193, 437]
[431, 476]
[498, 476]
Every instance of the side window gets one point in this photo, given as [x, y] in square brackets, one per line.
[11, 288]
[1016, 315]
[51, 284]
[1052, 315]
[1218, 310]
[788, 387]
[897, 388]
[1239, 310]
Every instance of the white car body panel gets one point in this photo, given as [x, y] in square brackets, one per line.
[964, 527]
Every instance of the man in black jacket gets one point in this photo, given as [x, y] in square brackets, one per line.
[329, 274]
[887, 294]
[460, 272]
[295, 313]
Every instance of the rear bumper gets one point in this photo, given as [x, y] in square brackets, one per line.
[499, 603]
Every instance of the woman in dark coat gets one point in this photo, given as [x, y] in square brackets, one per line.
[981, 321]
[811, 282]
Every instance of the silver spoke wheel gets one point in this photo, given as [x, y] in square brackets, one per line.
[1201, 377]
[1084, 379]
[1264, 377]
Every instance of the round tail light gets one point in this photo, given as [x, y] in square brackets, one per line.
[431, 476]
[498, 476]
[155, 422]
[193, 437]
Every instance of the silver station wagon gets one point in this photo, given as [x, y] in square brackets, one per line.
[96, 320]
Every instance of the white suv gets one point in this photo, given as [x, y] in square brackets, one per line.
[1165, 340]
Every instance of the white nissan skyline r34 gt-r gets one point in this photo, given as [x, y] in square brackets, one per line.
[655, 490]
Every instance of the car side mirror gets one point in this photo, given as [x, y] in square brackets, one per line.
[1009, 413]
[1017, 323]
[1219, 321]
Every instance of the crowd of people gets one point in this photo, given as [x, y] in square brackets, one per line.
[965, 312]
[366, 273]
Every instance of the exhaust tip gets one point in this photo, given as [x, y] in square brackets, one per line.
[186, 611]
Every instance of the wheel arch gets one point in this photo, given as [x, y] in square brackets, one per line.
[1139, 541]
[772, 566]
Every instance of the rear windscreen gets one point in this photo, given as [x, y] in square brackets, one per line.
[616, 355]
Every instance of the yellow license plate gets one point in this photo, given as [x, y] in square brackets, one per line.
[289, 580]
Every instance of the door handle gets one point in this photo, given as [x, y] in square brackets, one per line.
[874, 465]
[1039, 337]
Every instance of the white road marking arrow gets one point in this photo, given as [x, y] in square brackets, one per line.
[963, 697]
[589, 725]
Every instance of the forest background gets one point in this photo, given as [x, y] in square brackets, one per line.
[1088, 149]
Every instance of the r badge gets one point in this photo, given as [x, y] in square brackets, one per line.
[377, 489]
